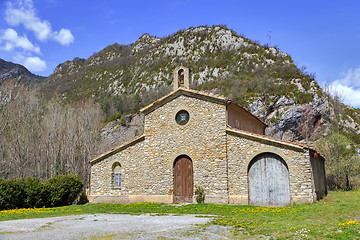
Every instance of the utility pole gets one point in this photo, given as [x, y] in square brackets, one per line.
[269, 35]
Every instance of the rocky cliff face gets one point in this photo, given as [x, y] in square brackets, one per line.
[117, 132]
[295, 122]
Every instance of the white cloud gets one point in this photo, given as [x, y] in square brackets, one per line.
[34, 64]
[348, 87]
[12, 40]
[64, 37]
[24, 13]
[352, 77]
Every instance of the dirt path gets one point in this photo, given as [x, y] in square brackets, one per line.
[113, 226]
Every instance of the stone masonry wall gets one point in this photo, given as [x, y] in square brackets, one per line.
[220, 158]
[203, 139]
[131, 160]
[242, 150]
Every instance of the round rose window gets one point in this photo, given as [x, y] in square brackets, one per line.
[182, 117]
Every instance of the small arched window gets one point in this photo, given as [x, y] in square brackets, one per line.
[181, 76]
[116, 171]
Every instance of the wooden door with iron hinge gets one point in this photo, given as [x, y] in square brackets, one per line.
[183, 180]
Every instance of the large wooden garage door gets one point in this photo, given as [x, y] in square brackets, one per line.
[269, 183]
[183, 180]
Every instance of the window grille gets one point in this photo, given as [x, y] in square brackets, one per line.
[117, 179]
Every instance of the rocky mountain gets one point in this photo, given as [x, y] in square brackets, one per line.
[124, 78]
[18, 73]
[216, 55]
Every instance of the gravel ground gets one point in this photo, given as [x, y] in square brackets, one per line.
[114, 226]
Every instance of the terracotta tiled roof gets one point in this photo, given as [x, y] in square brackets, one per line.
[270, 139]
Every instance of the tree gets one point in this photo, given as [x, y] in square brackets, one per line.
[45, 138]
[342, 160]
[20, 132]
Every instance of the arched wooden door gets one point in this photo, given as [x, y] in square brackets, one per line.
[183, 180]
[269, 183]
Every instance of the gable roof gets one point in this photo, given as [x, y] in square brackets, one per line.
[182, 91]
[269, 139]
[196, 94]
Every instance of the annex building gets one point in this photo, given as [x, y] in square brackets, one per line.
[192, 138]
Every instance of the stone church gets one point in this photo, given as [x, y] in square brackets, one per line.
[193, 138]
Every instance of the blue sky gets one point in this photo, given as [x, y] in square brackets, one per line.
[323, 36]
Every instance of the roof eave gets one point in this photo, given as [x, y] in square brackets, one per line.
[266, 138]
[183, 91]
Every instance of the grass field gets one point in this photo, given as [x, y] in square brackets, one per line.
[335, 217]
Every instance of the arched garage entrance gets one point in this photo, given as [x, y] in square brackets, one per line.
[269, 183]
[183, 180]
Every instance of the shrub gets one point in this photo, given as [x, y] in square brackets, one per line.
[34, 193]
[200, 192]
[82, 198]
[62, 190]
[12, 194]
[305, 97]
[30, 193]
